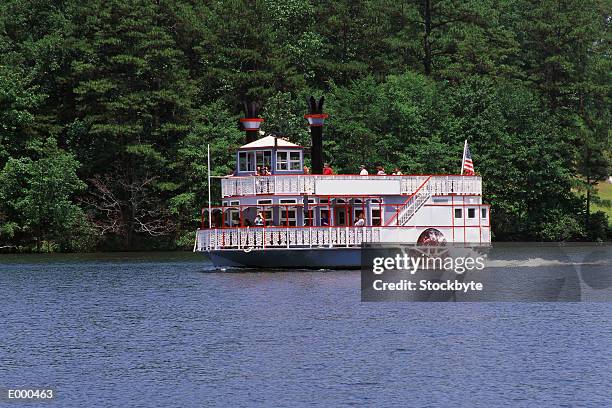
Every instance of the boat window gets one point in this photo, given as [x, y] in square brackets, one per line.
[375, 216]
[471, 213]
[245, 161]
[288, 217]
[324, 214]
[281, 161]
[484, 212]
[309, 217]
[288, 160]
[458, 213]
[340, 217]
[323, 201]
[263, 158]
[264, 201]
[232, 219]
[357, 212]
[287, 201]
[235, 202]
[268, 217]
[295, 163]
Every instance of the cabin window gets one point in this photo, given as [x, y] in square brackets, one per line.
[287, 201]
[295, 162]
[288, 217]
[471, 213]
[323, 201]
[232, 218]
[324, 214]
[308, 216]
[340, 217]
[483, 211]
[357, 212]
[235, 202]
[375, 213]
[266, 211]
[263, 158]
[288, 161]
[245, 161]
[458, 213]
[267, 214]
[375, 216]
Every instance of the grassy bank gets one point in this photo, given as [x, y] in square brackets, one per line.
[605, 193]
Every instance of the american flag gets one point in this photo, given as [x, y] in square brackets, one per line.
[468, 165]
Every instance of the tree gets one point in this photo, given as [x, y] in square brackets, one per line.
[18, 103]
[214, 124]
[134, 98]
[38, 201]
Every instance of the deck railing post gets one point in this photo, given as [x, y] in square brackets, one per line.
[346, 236]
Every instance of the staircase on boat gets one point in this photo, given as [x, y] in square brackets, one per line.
[412, 204]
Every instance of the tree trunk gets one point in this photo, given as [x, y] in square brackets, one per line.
[426, 42]
[588, 203]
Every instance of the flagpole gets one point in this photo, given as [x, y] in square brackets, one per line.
[463, 159]
[209, 203]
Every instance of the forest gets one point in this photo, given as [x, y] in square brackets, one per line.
[107, 107]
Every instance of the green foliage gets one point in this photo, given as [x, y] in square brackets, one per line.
[214, 124]
[36, 200]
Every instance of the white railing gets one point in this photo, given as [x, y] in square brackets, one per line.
[305, 184]
[278, 237]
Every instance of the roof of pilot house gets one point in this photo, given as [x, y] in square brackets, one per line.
[268, 141]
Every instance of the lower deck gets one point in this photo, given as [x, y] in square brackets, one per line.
[261, 238]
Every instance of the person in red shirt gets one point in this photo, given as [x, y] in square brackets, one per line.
[327, 170]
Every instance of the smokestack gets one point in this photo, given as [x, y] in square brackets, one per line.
[251, 122]
[316, 120]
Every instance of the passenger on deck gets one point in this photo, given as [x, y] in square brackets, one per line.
[306, 170]
[364, 171]
[259, 220]
[380, 171]
[258, 171]
[324, 220]
[360, 221]
[397, 172]
[266, 171]
[327, 170]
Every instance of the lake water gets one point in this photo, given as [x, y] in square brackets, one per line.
[165, 330]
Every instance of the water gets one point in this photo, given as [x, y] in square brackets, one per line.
[163, 330]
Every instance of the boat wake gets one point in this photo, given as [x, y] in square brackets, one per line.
[540, 262]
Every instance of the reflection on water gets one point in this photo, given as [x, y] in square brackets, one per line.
[157, 330]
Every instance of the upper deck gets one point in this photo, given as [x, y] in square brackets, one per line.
[348, 184]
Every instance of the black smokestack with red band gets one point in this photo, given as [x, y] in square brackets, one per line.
[251, 123]
[316, 120]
